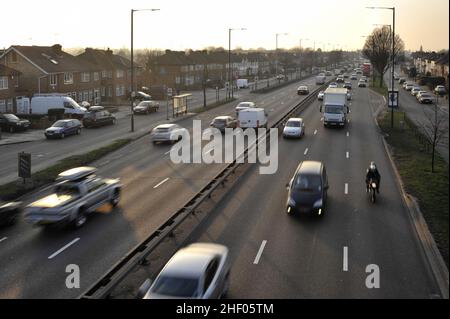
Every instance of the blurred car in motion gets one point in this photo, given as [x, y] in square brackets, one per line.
[171, 133]
[198, 271]
[9, 211]
[320, 95]
[244, 105]
[307, 190]
[294, 127]
[98, 116]
[77, 193]
[223, 122]
[63, 128]
[426, 98]
[11, 123]
[302, 90]
[146, 107]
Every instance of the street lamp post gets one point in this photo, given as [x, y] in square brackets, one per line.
[229, 61]
[276, 51]
[132, 64]
[300, 57]
[393, 55]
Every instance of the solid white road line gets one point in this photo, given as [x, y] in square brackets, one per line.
[260, 251]
[347, 155]
[315, 132]
[160, 183]
[345, 261]
[3, 239]
[64, 248]
[346, 189]
[306, 151]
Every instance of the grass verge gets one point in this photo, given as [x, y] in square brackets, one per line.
[13, 190]
[213, 105]
[414, 165]
[374, 84]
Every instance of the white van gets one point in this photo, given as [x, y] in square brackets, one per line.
[252, 118]
[41, 103]
[242, 83]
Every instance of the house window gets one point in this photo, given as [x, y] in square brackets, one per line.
[86, 96]
[104, 74]
[90, 95]
[80, 96]
[68, 78]
[103, 91]
[119, 74]
[3, 82]
[96, 76]
[2, 106]
[53, 79]
[85, 77]
[110, 90]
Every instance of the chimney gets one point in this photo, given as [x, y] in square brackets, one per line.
[57, 49]
[109, 52]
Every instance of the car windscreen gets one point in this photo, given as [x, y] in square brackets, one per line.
[308, 183]
[11, 117]
[219, 122]
[293, 124]
[176, 286]
[332, 109]
[144, 103]
[244, 105]
[60, 124]
[162, 129]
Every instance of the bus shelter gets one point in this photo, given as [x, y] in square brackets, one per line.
[180, 104]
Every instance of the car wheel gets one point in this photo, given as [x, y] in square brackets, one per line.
[113, 121]
[11, 129]
[80, 219]
[63, 135]
[115, 198]
[78, 131]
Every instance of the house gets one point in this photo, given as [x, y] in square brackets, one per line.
[115, 74]
[9, 82]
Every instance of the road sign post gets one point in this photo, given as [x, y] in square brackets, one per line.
[392, 103]
[24, 165]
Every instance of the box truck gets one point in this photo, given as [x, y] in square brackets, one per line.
[334, 107]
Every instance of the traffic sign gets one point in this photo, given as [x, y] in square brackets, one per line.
[393, 98]
[24, 165]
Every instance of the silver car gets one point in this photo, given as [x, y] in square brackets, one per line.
[295, 127]
[198, 271]
[171, 133]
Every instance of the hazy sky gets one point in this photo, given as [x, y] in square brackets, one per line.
[200, 23]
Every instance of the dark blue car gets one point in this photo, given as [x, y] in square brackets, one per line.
[63, 128]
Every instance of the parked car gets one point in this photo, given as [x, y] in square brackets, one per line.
[307, 190]
[63, 128]
[243, 106]
[77, 193]
[198, 271]
[9, 211]
[440, 89]
[146, 107]
[171, 133]
[409, 86]
[98, 116]
[223, 122]
[427, 98]
[320, 95]
[415, 90]
[401, 80]
[347, 85]
[11, 123]
[302, 90]
[294, 127]
[420, 93]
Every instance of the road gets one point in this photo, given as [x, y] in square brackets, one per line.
[154, 188]
[275, 255]
[47, 152]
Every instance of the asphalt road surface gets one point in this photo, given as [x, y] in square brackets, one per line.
[33, 258]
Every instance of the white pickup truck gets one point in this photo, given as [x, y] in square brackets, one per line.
[77, 193]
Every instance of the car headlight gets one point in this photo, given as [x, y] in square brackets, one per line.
[291, 202]
[318, 204]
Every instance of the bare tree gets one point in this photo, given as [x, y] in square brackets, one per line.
[434, 129]
[378, 49]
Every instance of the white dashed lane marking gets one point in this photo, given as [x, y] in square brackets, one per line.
[260, 251]
[160, 183]
[63, 248]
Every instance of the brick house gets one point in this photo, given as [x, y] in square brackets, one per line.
[48, 69]
[9, 83]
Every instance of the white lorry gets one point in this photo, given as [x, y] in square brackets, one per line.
[41, 103]
[334, 107]
[252, 118]
[242, 83]
[321, 79]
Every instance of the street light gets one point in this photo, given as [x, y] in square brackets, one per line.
[276, 51]
[132, 64]
[393, 54]
[229, 59]
[300, 58]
